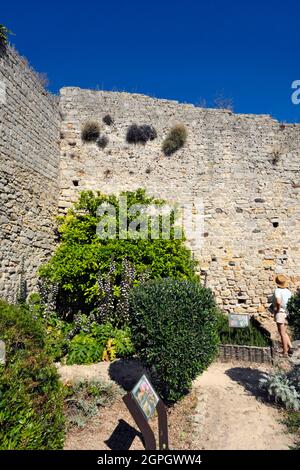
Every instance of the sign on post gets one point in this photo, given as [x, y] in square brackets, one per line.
[238, 320]
[142, 402]
[145, 396]
[2, 353]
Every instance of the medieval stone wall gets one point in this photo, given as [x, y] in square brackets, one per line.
[29, 173]
[245, 168]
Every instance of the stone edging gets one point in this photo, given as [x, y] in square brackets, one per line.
[233, 352]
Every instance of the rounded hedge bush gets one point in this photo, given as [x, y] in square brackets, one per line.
[140, 134]
[175, 139]
[90, 131]
[31, 397]
[174, 331]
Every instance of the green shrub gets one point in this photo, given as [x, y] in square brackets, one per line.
[4, 33]
[31, 398]
[174, 332]
[293, 308]
[82, 255]
[175, 139]
[57, 330]
[90, 131]
[293, 422]
[253, 335]
[86, 348]
[84, 399]
[108, 120]
[82, 341]
[140, 134]
[123, 342]
[283, 387]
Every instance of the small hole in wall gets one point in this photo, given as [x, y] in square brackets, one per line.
[107, 173]
[57, 234]
[75, 182]
[241, 301]
[275, 224]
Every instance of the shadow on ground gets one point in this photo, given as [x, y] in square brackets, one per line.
[249, 379]
[123, 436]
[126, 372]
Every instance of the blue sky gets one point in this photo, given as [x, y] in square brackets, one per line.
[184, 50]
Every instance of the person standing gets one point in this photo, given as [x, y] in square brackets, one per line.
[281, 297]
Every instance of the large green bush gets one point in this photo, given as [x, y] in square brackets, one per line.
[174, 332]
[81, 254]
[31, 398]
[294, 314]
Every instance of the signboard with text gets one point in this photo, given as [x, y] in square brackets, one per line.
[142, 402]
[145, 396]
[238, 320]
[2, 353]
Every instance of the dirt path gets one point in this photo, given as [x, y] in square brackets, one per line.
[231, 413]
[228, 411]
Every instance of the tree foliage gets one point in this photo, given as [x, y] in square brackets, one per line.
[82, 255]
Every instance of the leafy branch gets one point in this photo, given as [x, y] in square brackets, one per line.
[4, 33]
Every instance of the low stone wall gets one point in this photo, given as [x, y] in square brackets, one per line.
[233, 352]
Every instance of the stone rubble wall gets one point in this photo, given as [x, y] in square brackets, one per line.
[29, 174]
[245, 168]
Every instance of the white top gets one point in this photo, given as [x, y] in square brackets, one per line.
[283, 295]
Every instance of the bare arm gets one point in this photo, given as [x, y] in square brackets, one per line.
[277, 305]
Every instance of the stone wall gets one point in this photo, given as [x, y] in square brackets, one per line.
[29, 173]
[244, 167]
